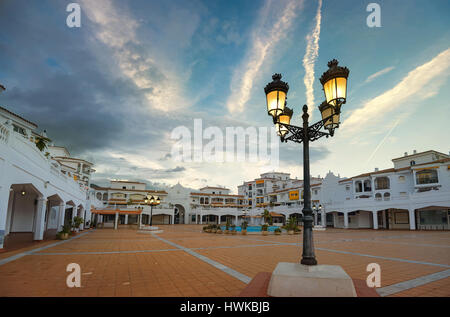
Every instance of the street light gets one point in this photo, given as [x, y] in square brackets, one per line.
[334, 82]
[152, 201]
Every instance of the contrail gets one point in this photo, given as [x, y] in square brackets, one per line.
[312, 51]
[382, 141]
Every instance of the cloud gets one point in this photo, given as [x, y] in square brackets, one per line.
[116, 28]
[312, 51]
[422, 82]
[265, 37]
[378, 74]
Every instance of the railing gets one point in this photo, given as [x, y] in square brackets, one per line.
[4, 134]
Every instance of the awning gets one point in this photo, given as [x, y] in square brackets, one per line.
[114, 211]
[274, 214]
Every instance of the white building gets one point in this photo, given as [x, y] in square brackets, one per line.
[124, 200]
[414, 194]
[36, 196]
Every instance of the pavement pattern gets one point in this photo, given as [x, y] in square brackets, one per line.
[184, 261]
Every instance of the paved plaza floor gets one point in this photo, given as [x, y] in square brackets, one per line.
[184, 261]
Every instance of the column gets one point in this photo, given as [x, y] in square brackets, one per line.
[345, 220]
[375, 219]
[201, 218]
[4, 200]
[116, 220]
[61, 213]
[40, 219]
[126, 219]
[315, 218]
[324, 219]
[139, 220]
[412, 219]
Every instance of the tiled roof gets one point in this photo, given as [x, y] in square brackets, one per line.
[17, 116]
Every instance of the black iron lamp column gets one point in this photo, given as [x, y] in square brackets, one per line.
[334, 82]
[152, 201]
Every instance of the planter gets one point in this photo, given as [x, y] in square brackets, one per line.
[277, 233]
[297, 232]
[64, 236]
[233, 232]
[290, 232]
[227, 231]
[214, 230]
[244, 232]
[265, 233]
[219, 231]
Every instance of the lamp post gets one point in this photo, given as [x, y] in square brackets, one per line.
[334, 82]
[316, 210]
[152, 201]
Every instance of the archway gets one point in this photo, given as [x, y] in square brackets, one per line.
[179, 213]
[52, 216]
[21, 222]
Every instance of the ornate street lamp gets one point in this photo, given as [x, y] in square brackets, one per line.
[276, 92]
[334, 82]
[152, 201]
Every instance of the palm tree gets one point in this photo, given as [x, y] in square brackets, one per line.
[266, 215]
[41, 141]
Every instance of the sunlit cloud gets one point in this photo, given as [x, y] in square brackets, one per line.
[117, 29]
[378, 74]
[421, 83]
[312, 51]
[265, 37]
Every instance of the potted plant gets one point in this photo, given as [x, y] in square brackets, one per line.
[227, 227]
[244, 226]
[297, 230]
[64, 233]
[233, 229]
[264, 229]
[205, 228]
[77, 221]
[291, 226]
[277, 231]
[219, 229]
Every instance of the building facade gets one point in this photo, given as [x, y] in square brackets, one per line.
[37, 195]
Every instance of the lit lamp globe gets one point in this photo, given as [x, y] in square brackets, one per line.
[158, 200]
[332, 117]
[276, 92]
[334, 82]
[285, 118]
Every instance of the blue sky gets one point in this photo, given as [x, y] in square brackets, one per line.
[113, 90]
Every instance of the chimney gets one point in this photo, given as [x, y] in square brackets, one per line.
[414, 152]
[406, 153]
[376, 169]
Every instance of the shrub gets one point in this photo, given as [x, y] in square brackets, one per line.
[264, 227]
[244, 225]
[278, 230]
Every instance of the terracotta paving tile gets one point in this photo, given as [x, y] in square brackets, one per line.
[157, 272]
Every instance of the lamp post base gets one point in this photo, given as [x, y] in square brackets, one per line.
[308, 261]
[298, 280]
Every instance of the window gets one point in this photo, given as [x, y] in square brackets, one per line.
[123, 187]
[358, 186]
[427, 177]
[401, 179]
[367, 185]
[19, 130]
[412, 163]
[382, 183]
[132, 187]
[377, 196]
[202, 200]
[347, 187]
[387, 196]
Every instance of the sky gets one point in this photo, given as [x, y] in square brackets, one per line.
[114, 90]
